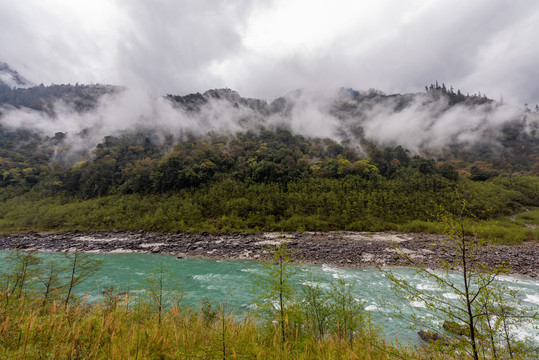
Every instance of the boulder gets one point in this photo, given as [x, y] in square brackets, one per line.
[429, 336]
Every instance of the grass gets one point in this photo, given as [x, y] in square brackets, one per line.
[513, 230]
[29, 330]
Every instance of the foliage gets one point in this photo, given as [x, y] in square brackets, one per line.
[264, 180]
[319, 204]
[313, 313]
[80, 267]
[119, 327]
[161, 290]
[347, 314]
[334, 310]
[276, 297]
[50, 278]
[97, 332]
[477, 313]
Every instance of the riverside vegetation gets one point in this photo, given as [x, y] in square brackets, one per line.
[475, 305]
[40, 318]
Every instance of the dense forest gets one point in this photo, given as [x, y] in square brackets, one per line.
[263, 176]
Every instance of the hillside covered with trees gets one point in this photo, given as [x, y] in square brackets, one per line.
[263, 174]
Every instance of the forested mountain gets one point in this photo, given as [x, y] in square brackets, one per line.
[379, 158]
[439, 124]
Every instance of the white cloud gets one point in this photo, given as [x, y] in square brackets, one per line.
[416, 122]
[267, 48]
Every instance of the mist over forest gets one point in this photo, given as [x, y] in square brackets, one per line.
[92, 141]
[428, 123]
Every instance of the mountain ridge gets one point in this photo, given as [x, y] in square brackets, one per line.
[10, 78]
[439, 122]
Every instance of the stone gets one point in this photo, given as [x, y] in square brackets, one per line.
[429, 336]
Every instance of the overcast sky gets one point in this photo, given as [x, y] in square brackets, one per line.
[267, 48]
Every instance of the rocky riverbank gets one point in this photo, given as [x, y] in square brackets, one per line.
[353, 249]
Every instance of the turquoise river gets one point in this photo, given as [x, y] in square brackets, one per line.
[232, 282]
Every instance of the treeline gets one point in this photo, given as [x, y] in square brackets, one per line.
[266, 180]
[456, 97]
[136, 163]
[313, 204]
[269, 157]
[145, 163]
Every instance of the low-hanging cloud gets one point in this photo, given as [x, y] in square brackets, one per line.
[121, 112]
[419, 122]
[432, 125]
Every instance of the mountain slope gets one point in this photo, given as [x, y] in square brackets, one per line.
[67, 122]
[105, 157]
[11, 79]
